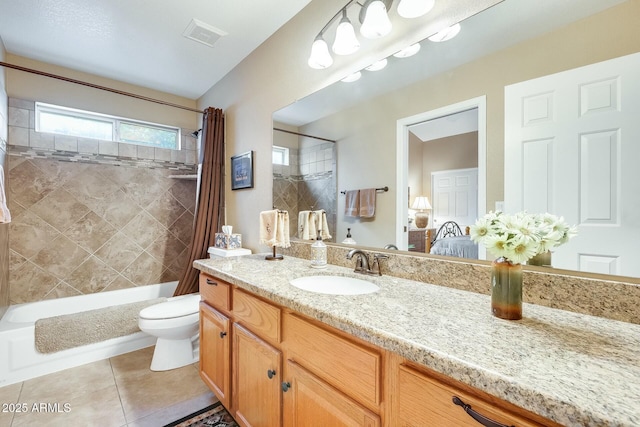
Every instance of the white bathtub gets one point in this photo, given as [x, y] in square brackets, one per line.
[19, 359]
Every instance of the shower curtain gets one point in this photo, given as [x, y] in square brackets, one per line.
[210, 208]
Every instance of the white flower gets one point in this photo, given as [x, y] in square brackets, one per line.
[521, 236]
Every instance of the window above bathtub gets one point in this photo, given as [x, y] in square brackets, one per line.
[86, 124]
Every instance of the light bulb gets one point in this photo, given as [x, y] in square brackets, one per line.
[414, 8]
[446, 34]
[376, 66]
[376, 22]
[346, 41]
[320, 57]
[408, 51]
[352, 77]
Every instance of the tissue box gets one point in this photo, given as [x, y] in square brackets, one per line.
[228, 241]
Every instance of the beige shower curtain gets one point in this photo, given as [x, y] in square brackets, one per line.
[210, 210]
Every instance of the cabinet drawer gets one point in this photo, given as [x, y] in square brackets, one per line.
[423, 401]
[260, 317]
[346, 365]
[215, 292]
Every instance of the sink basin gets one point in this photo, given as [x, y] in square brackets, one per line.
[335, 285]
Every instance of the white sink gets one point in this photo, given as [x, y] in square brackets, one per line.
[335, 285]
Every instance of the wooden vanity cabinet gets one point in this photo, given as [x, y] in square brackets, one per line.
[426, 398]
[215, 367]
[256, 380]
[270, 366]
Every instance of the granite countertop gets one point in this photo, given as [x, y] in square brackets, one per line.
[575, 369]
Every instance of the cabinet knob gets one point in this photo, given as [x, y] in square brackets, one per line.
[211, 282]
[223, 334]
[487, 422]
[286, 386]
[271, 373]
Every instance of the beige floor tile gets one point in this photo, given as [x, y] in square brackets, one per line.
[96, 407]
[9, 396]
[65, 385]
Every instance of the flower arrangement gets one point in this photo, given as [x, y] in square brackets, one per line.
[521, 236]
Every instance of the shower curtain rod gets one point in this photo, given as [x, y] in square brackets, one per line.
[303, 134]
[108, 89]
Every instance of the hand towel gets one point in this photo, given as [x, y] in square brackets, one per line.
[303, 225]
[367, 202]
[352, 203]
[322, 224]
[274, 228]
[5, 215]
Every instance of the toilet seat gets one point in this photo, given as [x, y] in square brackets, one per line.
[176, 307]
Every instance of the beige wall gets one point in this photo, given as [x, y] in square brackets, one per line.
[4, 228]
[249, 96]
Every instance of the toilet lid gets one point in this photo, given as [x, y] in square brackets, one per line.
[176, 307]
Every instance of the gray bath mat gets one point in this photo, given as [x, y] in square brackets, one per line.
[58, 333]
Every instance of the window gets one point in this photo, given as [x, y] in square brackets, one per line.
[85, 124]
[280, 155]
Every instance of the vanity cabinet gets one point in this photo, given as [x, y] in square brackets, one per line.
[426, 398]
[271, 366]
[256, 380]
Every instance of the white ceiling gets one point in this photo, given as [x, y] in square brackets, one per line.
[141, 41]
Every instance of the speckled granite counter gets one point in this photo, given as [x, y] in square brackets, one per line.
[575, 369]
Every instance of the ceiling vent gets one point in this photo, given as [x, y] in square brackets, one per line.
[203, 33]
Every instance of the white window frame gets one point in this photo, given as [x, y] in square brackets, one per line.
[114, 120]
[284, 155]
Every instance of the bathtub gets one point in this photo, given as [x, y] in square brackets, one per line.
[19, 360]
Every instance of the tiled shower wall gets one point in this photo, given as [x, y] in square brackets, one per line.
[308, 183]
[85, 221]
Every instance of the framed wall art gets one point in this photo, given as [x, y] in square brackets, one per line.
[242, 171]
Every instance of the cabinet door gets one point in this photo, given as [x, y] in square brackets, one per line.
[310, 402]
[424, 401]
[256, 380]
[215, 368]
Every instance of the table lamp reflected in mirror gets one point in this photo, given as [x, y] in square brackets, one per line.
[421, 204]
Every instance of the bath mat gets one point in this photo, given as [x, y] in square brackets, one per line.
[67, 331]
[213, 415]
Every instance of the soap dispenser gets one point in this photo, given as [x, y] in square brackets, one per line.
[349, 240]
[318, 253]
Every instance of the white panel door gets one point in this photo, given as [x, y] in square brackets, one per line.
[454, 196]
[572, 148]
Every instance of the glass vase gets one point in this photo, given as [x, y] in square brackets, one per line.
[543, 259]
[506, 289]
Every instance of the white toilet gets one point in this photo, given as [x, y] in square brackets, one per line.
[176, 324]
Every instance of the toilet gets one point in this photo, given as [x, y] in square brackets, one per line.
[176, 324]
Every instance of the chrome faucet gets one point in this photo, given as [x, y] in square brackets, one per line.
[362, 260]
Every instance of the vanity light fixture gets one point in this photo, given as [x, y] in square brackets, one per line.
[378, 65]
[408, 51]
[446, 34]
[346, 41]
[375, 23]
[352, 77]
[414, 8]
[320, 57]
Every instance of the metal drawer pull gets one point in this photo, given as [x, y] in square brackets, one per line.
[286, 386]
[211, 282]
[223, 334]
[271, 373]
[477, 416]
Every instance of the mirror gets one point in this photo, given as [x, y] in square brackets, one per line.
[508, 43]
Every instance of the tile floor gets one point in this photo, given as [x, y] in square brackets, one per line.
[115, 392]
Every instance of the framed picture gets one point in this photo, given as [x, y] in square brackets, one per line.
[242, 171]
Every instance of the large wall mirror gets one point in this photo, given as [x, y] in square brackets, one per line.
[442, 111]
